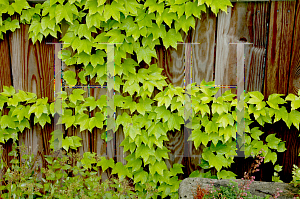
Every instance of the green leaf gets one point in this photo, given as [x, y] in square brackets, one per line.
[57, 137]
[295, 104]
[294, 117]
[144, 105]
[278, 168]
[69, 76]
[179, 9]
[131, 6]
[157, 130]
[105, 163]
[76, 142]
[140, 176]
[154, 6]
[185, 24]
[145, 54]
[163, 113]
[175, 121]
[6, 121]
[256, 97]
[158, 167]
[199, 137]
[88, 160]
[97, 58]
[90, 102]
[113, 11]
[219, 5]
[121, 170]
[76, 95]
[67, 142]
[149, 41]
[158, 31]
[65, 12]
[192, 8]
[23, 124]
[281, 147]
[19, 5]
[94, 20]
[68, 118]
[225, 119]
[226, 174]
[42, 120]
[271, 156]
[162, 153]
[217, 161]
[272, 141]
[8, 91]
[171, 39]
[255, 133]
[177, 168]
[166, 17]
[274, 100]
[144, 152]
[115, 36]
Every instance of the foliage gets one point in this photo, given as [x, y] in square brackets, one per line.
[135, 28]
[64, 177]
[232, 191]
[296, 178]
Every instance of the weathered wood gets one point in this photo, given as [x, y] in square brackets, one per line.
[294, 76]
[5, 73]
[173, 65]
[282, 15]
[245, 22]
[203, 53]
[32, 68]
[5, 80]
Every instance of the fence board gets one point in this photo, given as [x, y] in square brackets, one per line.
[32, 67]
[279, 47]
[5, 80]
[174, 71]
[203, 53]
[245, 22]
[294, 77]
[254, 54]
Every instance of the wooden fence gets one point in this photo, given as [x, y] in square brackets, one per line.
[272, 65]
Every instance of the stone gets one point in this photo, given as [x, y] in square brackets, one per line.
[188, 187]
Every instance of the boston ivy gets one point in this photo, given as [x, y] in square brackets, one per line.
[136, 27]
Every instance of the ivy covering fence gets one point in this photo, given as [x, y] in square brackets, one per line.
[135, 27]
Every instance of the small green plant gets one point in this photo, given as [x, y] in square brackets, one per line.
[236, 190]
[296, 179]
[66, 176]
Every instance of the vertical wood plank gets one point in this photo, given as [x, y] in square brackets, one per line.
[294, 76]
[203, 53]
[5, 73]
[172, 61]
[282, 15]
[245, 22]
[202, 66]
[5, 80]
[32, 68]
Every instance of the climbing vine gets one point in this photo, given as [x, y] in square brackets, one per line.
[135, 28]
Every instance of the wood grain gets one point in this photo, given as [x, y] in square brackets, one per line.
[174, 65]
[173, 62]
[294, 77]
[245, 22]
[5, 80]
[32, 68]
[203, 53]
[5, 73]
[282, 17]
